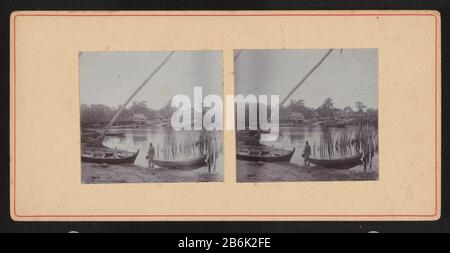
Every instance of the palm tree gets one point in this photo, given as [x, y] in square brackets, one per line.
[326, 109]
[300, 102]
[348, 109]
[328, 103]
[139, 107]
[167, 110]
[328, 106]
[360, 106]
[297, 105]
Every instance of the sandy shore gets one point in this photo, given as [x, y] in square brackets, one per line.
[246, 172]
[275, 172]
[97, 173]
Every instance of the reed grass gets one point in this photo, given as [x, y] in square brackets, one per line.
[358, 138]
[186, 145]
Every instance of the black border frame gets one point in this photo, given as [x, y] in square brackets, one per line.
[8, 225]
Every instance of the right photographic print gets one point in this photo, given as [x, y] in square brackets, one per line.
[306, 114]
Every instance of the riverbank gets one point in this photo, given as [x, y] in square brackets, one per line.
[246, 172]
[130, 173]
[278, 172]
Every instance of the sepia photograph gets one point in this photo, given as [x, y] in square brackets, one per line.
[142, 116]
[224, 116]
[321, 123]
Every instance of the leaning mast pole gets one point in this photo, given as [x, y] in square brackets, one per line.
[306, 77]
[302, 80]
[123, 106]
[236, 56]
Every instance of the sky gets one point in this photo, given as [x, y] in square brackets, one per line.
[346, 77]
[109, 78]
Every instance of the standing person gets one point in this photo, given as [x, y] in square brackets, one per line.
[203, 141]
[307, 153]
[208, 161]
[151, 155]
[211, 158]
[209, 154]
[214, 154]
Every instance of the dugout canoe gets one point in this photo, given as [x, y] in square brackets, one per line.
[189, 163]
[115, 134]
[333, 123]
[107, 155]
[338, 163]
[263, 154]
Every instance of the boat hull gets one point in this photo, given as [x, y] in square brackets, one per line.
[335, 124]
[127, 157]
[341, 163]
[285, 155]
[115, 134]
[192, 163]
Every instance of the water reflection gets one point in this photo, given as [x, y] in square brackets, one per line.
[295, 137]
[139, 139]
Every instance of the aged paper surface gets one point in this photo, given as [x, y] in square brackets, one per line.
[45, 141]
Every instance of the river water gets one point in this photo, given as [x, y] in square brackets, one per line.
[140, 138]
[289, 137]
[295, 137]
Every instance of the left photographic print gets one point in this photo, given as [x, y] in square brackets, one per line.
[151, 116]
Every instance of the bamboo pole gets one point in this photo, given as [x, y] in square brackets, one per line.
[306, 77]
[302, 80]
[237, 55]
[122, 107]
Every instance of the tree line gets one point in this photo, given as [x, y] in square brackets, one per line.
[103, 113]
[325, 110]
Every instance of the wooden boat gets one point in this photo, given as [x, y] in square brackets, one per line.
[96, 133]
[190, 163]
[107, 155]
[334, 123]
[115, 134]
[263, 154]
[339, 163]
[248, 135]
